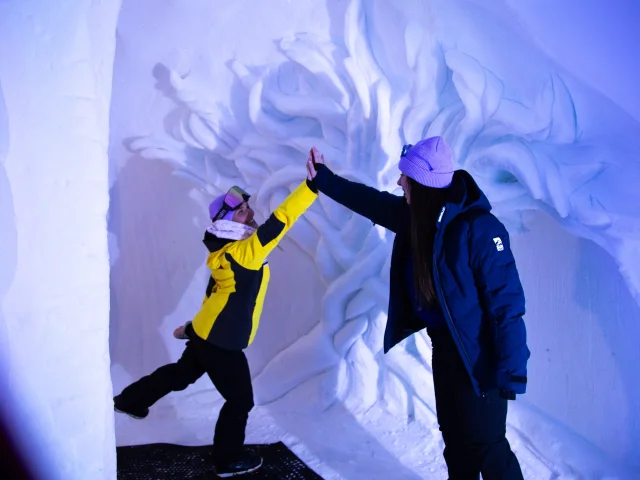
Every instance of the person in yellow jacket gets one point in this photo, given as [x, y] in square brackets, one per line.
[226, 323]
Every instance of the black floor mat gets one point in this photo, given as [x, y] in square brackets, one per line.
[163, 461]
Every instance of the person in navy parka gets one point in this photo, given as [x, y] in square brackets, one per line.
[453, 272]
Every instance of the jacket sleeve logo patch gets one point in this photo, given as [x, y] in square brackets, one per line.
[498, 242]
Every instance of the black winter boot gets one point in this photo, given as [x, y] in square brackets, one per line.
[248, 463]
[119, 407]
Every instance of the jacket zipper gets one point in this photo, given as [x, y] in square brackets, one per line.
[446, 307]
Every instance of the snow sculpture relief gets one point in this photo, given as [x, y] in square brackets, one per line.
[359, 100]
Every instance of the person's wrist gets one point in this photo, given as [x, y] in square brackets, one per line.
[312, 185]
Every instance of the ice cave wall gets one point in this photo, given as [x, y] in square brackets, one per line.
[581, 311]
[56, 63]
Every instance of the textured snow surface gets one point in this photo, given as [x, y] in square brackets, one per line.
[56, 63]
[200, 105]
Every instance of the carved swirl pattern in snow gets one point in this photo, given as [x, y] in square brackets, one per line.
[358, 104]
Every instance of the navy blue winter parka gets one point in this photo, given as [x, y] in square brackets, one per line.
[475, 276]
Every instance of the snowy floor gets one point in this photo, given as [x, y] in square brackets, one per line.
[334, 443]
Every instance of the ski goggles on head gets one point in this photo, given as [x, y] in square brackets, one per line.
[235, 197]
[405, 149]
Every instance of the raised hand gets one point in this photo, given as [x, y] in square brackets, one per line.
[315, 158]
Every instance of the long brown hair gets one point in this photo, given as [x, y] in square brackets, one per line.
[426, 205]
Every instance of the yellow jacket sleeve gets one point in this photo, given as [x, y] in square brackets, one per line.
[252, 252]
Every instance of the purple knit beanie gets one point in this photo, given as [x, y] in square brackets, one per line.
[215, 207]
[429, 162]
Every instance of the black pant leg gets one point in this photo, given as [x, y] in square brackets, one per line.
[229, 372]
[473, 428]
[168, 378]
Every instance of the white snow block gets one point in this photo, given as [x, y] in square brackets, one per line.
[55, 76]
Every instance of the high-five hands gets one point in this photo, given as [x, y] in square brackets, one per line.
[315, 158]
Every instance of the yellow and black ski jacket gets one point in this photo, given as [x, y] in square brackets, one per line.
[231, 310]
